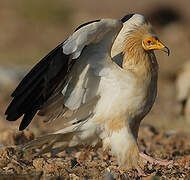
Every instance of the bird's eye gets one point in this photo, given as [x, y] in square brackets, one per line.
[149, 41]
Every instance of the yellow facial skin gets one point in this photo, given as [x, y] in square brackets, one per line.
[152, 43]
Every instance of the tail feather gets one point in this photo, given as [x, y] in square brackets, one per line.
[46, 143]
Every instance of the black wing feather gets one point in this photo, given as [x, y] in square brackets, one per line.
[38, 86]
[28, 116]
[85, 24]
[36, 71]
[126, 18]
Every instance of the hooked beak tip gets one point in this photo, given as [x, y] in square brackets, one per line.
[167, 50]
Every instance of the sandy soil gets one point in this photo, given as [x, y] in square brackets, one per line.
[95, 164]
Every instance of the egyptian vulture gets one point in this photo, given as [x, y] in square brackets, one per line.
[183, 90]
[101, 81]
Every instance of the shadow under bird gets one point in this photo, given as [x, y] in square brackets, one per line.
[101, 81]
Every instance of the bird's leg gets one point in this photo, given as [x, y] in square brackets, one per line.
[151, 160]
[124, 147]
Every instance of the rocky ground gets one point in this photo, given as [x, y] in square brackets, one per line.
[95, 164]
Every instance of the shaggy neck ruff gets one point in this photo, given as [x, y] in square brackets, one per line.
[136, 58]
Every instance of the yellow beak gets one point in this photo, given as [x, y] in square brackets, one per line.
[162, 47]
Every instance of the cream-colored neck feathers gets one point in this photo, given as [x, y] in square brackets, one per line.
[135, 57]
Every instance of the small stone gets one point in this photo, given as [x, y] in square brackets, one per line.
[108, 176]
[74, 177]
[74, 163]
[38, 163]
[170, 166]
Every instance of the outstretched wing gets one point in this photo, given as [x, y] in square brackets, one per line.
[46, 81]
[38, 85]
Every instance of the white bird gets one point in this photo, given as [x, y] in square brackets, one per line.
[183, 90]
[100, 101]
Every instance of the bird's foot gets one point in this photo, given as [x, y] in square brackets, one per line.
[152, 161]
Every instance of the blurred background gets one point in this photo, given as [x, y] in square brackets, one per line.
[30, 29]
